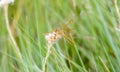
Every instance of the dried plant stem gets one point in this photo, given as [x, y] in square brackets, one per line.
[9, 31]
[46, 57]
[74, 4]
[117, 9]
[107, 69]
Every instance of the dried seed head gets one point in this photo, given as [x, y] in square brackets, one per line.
[5, 2]
[51, 38]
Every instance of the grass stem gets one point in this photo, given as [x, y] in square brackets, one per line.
[46, 57]
[9, 31]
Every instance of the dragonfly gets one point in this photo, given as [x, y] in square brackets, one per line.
[62, 31]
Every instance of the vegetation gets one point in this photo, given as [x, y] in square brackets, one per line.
[90, 36]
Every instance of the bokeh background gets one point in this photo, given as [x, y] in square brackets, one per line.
[90, 42]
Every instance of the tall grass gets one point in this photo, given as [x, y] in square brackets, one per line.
[90, 41]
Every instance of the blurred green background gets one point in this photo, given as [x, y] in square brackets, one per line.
[91, 42]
